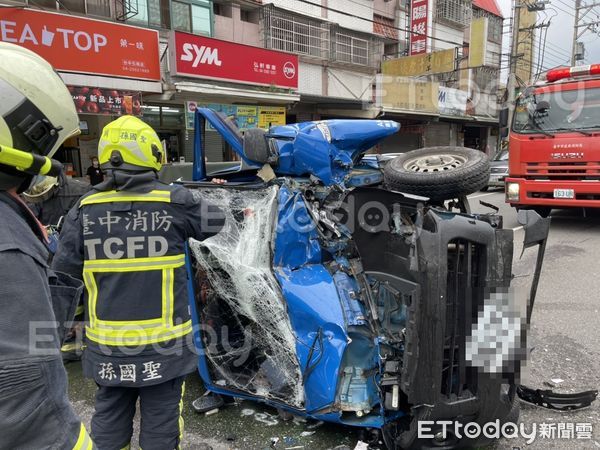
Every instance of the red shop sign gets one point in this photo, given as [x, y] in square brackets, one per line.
[80, 45]
[202, 57]
[106, 101]
[419, 16]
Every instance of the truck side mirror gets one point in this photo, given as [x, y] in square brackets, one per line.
[504, 118]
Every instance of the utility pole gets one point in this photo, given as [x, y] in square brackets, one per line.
[575, 32]
[512, 74]
[581, 26]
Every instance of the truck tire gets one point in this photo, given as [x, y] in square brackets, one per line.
[256, 147]
[440, 173]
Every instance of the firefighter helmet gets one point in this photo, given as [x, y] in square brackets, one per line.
[37, 115]
[128, 143]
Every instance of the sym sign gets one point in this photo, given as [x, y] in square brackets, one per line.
[80, 45]
[202, 57]
[419, 16]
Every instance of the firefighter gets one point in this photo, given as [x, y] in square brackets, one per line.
[53, 197]
[127, 240]
[50, 199]
[37, 115]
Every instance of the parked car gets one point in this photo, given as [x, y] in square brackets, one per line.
[344, 288]
[498, 170]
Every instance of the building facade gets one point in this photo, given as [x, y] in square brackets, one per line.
[261, 62]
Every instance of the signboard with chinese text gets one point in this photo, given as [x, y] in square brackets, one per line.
[106, 101]
[478, 42]
[202, 57]
[80, 45]
[269, 116]
[437, 62]
[409, 94]
[419, 16]
[244, 116]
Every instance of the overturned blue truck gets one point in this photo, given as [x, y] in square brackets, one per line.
[358, 289]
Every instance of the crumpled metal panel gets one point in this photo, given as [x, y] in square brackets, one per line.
[327, 149]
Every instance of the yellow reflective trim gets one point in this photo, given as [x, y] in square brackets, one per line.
[168, 301]
[126, 196]
[139, 336]
[79, 310]
[127, 447]
[134, 264]
[181, 421]
[92, 288]
[84, 441]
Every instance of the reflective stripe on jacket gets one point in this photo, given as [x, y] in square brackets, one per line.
[128, 246]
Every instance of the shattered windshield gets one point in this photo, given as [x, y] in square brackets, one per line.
[559, 111]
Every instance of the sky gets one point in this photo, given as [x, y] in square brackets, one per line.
[561, 13]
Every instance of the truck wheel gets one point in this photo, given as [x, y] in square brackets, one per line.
[440, 173]
[255, 145]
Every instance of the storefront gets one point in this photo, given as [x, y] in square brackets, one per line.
[251, 86]
[108, 67]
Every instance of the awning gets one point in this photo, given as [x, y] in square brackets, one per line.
[189, 90]
[408, 112]
[124, 84]
[470, 120]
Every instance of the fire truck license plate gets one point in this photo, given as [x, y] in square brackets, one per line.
[564, 193]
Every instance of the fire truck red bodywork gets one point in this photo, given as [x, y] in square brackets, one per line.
[566, 162]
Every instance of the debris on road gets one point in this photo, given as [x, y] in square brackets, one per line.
[360, 445]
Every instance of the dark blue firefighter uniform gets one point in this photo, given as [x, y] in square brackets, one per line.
[126, 239]
[34, 409]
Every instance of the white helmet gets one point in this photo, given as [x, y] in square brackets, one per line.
[37, 115]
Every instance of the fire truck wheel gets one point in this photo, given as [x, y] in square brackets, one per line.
[440, 173]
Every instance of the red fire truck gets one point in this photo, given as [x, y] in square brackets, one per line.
[555, 142]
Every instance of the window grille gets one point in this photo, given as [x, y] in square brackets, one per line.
[494, 24]
[295, 34]
[457, 12]
[351, 49]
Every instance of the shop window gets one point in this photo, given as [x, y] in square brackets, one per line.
[172, 117]
[247, 15]
[192, 17]
[167, 116]
[151, 115]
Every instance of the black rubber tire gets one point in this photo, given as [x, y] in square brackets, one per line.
[471, 175]
[255, 145]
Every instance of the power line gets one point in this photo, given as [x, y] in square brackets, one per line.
[354, 16]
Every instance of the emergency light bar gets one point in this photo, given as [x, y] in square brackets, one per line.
[570, 72]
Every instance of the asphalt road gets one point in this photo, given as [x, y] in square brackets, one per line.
[564, 338]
